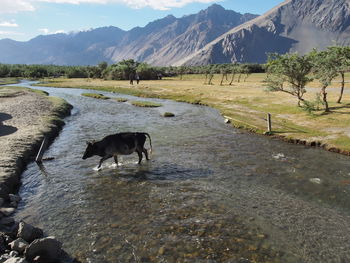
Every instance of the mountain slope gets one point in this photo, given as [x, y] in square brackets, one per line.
[81, 48]
[161, 42]
[171, 39]
[293, 26]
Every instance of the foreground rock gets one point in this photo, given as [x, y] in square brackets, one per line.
[31, 246]
[28, 232]
[44, 250]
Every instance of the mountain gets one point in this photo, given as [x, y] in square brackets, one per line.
[82, 48]
[161, 42]
[293, 26]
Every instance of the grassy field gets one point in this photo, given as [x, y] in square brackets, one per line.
[7, 81]
[246, 105]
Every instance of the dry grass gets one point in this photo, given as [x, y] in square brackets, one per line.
[246, 103]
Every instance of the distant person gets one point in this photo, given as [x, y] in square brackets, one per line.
[159, 75]
[137, 78]
[131, 78]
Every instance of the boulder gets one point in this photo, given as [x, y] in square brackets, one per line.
[14, 198]
[16, 260]
[6, 221]
[7, 211]
[29, 232]
[19, 245]
[4, 257]
[46, 249]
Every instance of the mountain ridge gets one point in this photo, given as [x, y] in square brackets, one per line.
[112, 44]
[293, 26]
[211, 36]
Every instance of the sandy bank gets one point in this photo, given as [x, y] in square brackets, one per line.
[25, 118]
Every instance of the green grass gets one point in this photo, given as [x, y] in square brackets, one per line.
[120, 99]
[7, 81]
[168, 114]
[146, 104]
[95, 96]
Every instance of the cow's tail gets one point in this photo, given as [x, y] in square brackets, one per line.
[150, 142]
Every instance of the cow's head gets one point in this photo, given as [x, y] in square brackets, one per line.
[90, 150]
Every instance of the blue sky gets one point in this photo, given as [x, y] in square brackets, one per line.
[24, 19]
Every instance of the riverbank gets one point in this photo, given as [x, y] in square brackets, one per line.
[25, 118]
[246, 105]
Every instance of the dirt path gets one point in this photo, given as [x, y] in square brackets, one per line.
[25, 117]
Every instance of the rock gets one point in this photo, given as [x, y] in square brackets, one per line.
[16, 260]
[316, 180]
[48, 249]
[29, 232]
[19, 245]
[227, 121]
[14, 198]
[7, 211]
[14, 254]
[3, 244]
[7, 221]
[4, 257]
[1, 201]
[13, 204]
[168, 114]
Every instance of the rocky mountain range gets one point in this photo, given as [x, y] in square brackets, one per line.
[161, 42]
[214, 35]
[293, 26]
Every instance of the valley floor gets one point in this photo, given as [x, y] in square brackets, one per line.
[246, 104]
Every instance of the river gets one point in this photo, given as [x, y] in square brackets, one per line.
[210, 193]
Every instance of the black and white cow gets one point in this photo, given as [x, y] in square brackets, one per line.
[118, 144]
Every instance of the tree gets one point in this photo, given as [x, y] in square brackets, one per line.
[224, 71]
[325, 69]
[288, 73]
[4, 70]
[341, 64]
[234, 70]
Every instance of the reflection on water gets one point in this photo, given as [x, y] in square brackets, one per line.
[209, 194]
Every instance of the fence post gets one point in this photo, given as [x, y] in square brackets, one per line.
[269, 129]
[41, 151]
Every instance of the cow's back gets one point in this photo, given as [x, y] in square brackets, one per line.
[120, 143]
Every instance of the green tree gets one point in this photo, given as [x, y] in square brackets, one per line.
[325, 70]
[341, 64]
[224, 71]
[234, 70]
[4, 70]
[288, 73]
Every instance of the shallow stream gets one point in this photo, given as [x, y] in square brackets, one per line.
[210, 193]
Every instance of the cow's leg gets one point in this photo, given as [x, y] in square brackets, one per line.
[104, 158]
[146, 153]
[139, 154]
[116, 159]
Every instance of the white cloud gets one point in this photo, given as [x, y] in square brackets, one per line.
[46, 31]
[8, 24]
[14, 6]
[162, 4]
[12, 33]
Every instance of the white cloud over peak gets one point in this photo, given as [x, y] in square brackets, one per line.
[46, 31]
[8, 24]
[14, 6]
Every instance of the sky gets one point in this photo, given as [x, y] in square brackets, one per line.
[23, 20]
